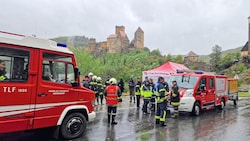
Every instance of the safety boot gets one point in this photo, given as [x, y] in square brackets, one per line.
[157, 121]
[163, 124]
[113, 120]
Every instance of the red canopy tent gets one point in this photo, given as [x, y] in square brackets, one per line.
[164, 70]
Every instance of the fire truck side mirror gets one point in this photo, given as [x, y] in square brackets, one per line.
[77, 73]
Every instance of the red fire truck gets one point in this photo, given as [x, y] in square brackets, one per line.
[40, 87]
[199, 90]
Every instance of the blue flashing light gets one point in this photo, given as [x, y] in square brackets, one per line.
[179, 71]
[198, 72]
[62, 45]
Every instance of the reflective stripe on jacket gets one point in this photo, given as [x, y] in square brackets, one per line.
[112, 95]
[146, 91]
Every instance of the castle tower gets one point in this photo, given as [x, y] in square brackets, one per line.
[118, 42]
[119, 29]
[139, 38]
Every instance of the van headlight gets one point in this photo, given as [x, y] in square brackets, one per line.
[188, 93]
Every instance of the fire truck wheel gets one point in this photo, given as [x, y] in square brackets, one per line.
[196, 109]
[73, 126]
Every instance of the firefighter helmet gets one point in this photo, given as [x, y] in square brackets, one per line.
[112, 81]
[90, 74]
[94, 77]
[98, 79]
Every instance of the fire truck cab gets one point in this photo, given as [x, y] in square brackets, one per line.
[40, 87]
[199, 90]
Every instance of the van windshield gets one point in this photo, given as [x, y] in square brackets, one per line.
[184, 81]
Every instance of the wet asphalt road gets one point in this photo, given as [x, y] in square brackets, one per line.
[214, 125]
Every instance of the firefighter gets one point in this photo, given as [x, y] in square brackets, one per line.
[161, 92]
[92, 86]
[99, 90]
[112, 92]
[146, 92]
[2, 70]
[90, 75]
[175, 98]
[121, 86]
[138, 92]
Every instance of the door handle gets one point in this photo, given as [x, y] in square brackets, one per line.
[42, 94]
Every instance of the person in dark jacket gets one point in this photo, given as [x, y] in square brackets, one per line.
[131, 85]
[175, 98]
[85, 81]
[138, 92]
[121, 86]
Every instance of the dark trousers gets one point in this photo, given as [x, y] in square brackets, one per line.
[152, 100]
[132, 94]
[145, 105]
[176, 111]
[111, 112]
[161, 111]
[138, 97]
[101, 98]
[97, 98]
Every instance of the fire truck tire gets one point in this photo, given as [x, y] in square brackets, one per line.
[196, 109]
[73, 126]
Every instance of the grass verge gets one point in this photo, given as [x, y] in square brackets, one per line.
[244, 94]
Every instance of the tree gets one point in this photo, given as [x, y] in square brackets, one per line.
[215, 60]
[229, 59]
[169, 57]
[156, 52]
[178, 59]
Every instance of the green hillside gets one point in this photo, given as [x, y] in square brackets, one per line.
[73, 41]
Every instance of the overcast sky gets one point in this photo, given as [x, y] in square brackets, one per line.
[172, 26]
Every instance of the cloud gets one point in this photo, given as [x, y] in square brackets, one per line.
[174, 27]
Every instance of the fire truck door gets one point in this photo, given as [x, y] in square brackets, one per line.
[211, 91]
[55, 91]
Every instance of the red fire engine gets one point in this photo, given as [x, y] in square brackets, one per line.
[40, 87]
[199, 90]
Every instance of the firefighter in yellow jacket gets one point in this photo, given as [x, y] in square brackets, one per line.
[162, 100]
[146, 92]
[175, 98]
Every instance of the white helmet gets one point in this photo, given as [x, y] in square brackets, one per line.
[98, 79]
[94, 77]
[112, 81]
[90, 74]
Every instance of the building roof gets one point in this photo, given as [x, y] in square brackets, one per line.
[191, 53]
[139, 29]
[245, 47]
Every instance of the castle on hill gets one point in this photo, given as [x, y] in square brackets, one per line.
[117, 43]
